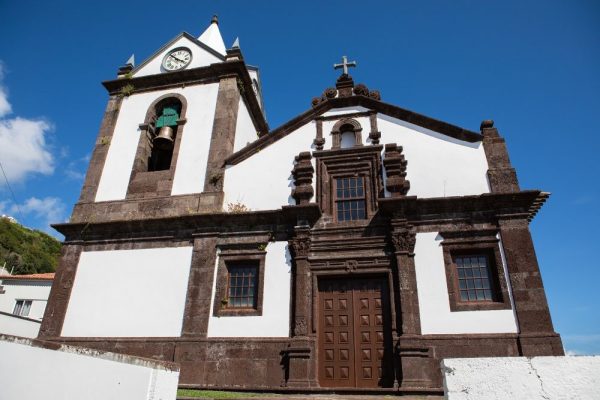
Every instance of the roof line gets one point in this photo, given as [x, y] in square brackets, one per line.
[368, 102]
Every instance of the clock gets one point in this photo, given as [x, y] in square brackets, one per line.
[177, 59]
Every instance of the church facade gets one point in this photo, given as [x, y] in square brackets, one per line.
[352, 248]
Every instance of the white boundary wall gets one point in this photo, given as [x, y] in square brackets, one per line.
[18, 326]
[30, 372]
[521, 378]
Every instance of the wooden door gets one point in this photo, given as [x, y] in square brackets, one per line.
[355, 343]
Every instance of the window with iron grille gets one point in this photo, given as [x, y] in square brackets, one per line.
[474, 277]
[242, 286]
[350, 198]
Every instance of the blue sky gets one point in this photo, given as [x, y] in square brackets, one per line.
[532, 66]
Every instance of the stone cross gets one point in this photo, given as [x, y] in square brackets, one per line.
[344, 65]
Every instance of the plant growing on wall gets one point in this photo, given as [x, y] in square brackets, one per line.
[126, 90]
[237, 207]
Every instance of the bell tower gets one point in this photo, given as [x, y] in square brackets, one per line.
[169, 124]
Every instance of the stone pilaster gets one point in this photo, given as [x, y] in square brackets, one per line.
[375, 134]
[319, 141]
[58, 300]
[531, 306]
[403, 238]
[94, 172]
[223, 133]
[299, 357]
[198, 301]
[502, 176]
[301, 282]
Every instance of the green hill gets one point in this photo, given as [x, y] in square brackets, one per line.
[28, 251]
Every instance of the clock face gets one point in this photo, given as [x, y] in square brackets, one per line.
[177, 59]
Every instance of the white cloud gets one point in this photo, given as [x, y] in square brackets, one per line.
[5, 107]
[23, 143]
[75, 168]
[51, 210]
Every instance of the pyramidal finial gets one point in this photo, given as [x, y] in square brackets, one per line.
[215, 19]
[236, 43]
[131, 60]
[212, 37]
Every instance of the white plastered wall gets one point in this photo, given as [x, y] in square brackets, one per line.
[275, 318]
[434, 304]
[255, 75]
[264, 180]
[245, 132]
[200, 58]
[438, 165]
[195, 143]
[129, 293]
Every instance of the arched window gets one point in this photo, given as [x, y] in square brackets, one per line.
[346, 134]
[156, 156]
[163, 135]
[348, 138]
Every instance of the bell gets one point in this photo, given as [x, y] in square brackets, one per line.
[164, 139]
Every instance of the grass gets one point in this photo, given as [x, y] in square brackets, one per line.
[217, 394]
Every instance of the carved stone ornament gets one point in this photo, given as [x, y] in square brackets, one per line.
[300, 327]
[361, 90]
[351, 265]
[300, 246]
[404, 240]
[330, 93]
[395, 168]
[303, 175]
[344, 87]
[319, 143]
[374, 94]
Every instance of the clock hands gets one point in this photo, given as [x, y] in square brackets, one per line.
[178, 59]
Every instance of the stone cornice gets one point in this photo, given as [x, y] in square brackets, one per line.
[520, 205]
[188, 226]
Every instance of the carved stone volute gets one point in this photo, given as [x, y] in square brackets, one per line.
[303, 175]
[404, 239]
[395, 168]
[300, 244]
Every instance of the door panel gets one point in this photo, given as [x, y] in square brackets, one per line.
[354, 333]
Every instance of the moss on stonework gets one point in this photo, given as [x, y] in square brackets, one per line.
[216, 394]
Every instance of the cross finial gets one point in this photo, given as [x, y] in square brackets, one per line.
[344, 65]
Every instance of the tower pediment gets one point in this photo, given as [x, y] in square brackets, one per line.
[202, 55]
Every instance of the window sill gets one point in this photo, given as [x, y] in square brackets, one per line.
[479, 306]
[238, 312]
